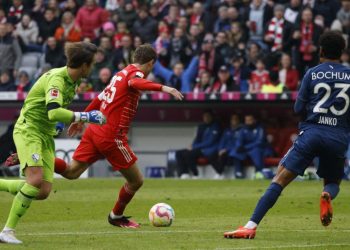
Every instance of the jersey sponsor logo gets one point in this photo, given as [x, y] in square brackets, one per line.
[54, 93]
[35, 157]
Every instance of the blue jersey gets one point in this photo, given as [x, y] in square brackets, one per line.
[324, 97]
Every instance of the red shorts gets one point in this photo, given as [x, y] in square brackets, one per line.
[116, 150]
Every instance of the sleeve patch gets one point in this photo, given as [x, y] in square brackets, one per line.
[54, 93]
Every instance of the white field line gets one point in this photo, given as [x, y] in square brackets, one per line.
[160, 231]
[287, 246]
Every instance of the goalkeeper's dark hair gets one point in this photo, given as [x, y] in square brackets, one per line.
[332, 44]
[79, 53]
[144, 54]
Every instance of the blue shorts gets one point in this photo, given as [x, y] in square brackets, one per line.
[329, 146]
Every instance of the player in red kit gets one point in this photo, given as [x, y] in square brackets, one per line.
[118, 102]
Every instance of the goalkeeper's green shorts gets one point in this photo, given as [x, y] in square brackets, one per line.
[35, 149]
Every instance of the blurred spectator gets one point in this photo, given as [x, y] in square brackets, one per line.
[293, 10]
[288, 75]
[274, 86]
[343, 16]
[145, 27]
[195, 38]
[6, 141]
[257, 17]
[6, 84]
[90, 19]
[3, 18]
[27, 33]
[254, 53]
[108, 29]
[223, 49]
[327, 9]
[251, 141]
[16, 11]
[183, 23]
[345, 58]
[123, 56]
[222, 23]
[71, 6]
[199, 15]
[128, 14]
[137, 42]
[228, 144]
[121, 31]
[101, 62]
[224, 81]
[84, 87]
[173, 17]
[233, 14]
[24, 84]
[47, 26]
[106, 44]
[278, 34]
[54, 53]
[163, 7]
[209, 60]
[258, 77]
[241, 75]
[204, 84]
[112, 5]
[67, 32]
[105, 76]
[179, 48]
[236, 35]
[10, 51]
[306, 38]
[162, 45]
[38, 10]
[179, 77]
[204, 144]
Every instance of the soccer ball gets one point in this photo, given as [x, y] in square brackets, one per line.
[161, 215]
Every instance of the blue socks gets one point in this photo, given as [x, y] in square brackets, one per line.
[332, 189]
[266, 202]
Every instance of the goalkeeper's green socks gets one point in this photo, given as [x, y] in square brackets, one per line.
[11, 186]
[20, 204]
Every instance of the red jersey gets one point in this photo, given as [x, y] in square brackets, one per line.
[259, 78]
[119, 101]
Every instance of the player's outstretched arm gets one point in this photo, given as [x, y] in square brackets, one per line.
[172, 91]
[58, 114]
[146, 85]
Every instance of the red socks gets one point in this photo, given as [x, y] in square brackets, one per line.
[60, 166]
[125, 196]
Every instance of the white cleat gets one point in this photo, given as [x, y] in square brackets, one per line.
[8, 236]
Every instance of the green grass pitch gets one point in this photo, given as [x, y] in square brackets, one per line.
[75, 216]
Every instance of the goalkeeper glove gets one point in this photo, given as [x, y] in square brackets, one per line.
[59, 128]
[94, 116]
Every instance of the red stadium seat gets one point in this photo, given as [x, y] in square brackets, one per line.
[202, 161]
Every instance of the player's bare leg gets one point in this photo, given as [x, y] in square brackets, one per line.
[279, 182]
[134, 181]
[33, 188]
[330, 191]
[70, 171]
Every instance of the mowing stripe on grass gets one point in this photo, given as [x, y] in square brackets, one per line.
[160, 231]
[286, 246]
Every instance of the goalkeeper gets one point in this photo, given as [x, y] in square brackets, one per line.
[33, 134]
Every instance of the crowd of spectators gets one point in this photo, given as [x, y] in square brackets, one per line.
[210, 46]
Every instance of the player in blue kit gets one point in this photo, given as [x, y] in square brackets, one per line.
[323, 101]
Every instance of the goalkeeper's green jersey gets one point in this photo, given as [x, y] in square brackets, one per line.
[55, 86]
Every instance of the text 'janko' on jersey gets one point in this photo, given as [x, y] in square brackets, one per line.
[324, 97]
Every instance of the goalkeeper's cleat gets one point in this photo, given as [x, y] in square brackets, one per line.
[12, 160]
[8, 236]
[241, 233]
[326, 210]
[123, 222]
